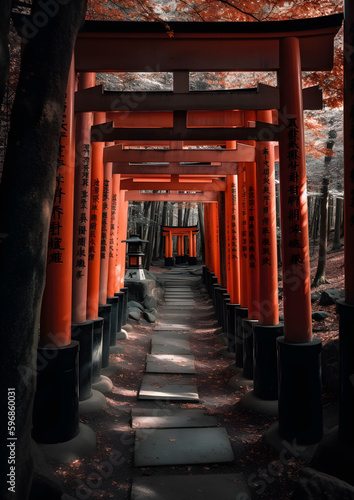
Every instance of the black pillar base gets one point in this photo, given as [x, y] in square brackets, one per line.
[219, 303]
[335, 457]
[204, 275]
[346, 370]
[178, 259]
[120, 296]
[247, 333]
[125, 305]
[56, 402]
[224, 302]
[105, 312]
[231, 326]
[192, 261]
[214, 287]
[265, 370]
[83, 333]
[97, 349]
[113, 301]
[240, 314]
[300, 391]
[184, 259]
[169, 261]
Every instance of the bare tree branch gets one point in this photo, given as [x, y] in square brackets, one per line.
[226, 2]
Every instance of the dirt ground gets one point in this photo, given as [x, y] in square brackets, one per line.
[109, 471]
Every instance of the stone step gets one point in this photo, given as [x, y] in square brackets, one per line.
[167, 418]
[168, 388]
[182, 446]
[169, 363]
[188, 487]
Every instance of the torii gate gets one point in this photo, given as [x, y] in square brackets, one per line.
[287, 47]
[180, 231]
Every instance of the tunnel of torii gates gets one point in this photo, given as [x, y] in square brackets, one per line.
[191, 233]
[101, 169]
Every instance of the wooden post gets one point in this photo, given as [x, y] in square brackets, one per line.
[94, 263]
[294, 222]
[84, 122]
[214, 239]
[243, 225]
[267, 234]
[300, 412]
[105, 233]
[112, 271]
[55, 329]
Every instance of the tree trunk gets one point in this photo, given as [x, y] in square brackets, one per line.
[163, 223]
[201, 229]
[26, 199]
[322, 252]
[5, 11]
[337, 226]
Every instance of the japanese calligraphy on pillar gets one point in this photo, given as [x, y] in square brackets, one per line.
[94, 218]
[244, 229]
[234, 248]
[113, 226]
[55, 248]
[265, 221]
[105, 213]
[293, 214]
[228, 237]
[82, 236]
[251, 227]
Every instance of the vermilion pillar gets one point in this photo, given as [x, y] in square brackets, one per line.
[84, 122]
[208, 261]
[243, 225]
[253, 243]
[214, 239]
[55, 320]
[106, 227]
[55, 409]
[122, 235]
[300, 412]
[112, 268]
[267, 235]
[268, 329]
[293, 198]
[94, 259]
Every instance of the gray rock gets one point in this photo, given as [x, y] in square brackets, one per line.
[149, 317]
[150, 302]
[134, 304]
[138, 290]
[330, 366]
[320, 315]
[135, 314]
[315, 296]
[154, 312]
[330, 296]
[315, 485]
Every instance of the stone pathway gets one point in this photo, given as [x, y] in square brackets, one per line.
[168, 436]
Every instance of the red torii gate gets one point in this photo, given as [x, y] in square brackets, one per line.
[274, 46]
[180, 231]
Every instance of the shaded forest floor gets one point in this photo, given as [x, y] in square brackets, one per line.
[108, 473]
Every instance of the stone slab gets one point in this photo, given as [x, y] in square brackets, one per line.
[166, 363]
[170, 327]
[196, 487]
[182, 446]
[164, 387]
[171, 348]
[161, 336]
[174, 419]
